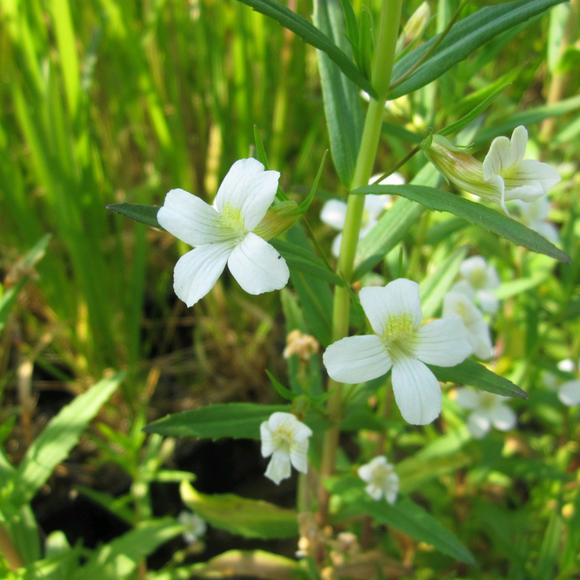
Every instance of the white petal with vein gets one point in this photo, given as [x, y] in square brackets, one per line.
[197, 271]
[257, 266]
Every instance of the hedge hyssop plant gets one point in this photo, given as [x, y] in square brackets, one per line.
[257, 232]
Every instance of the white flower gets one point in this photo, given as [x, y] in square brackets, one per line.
[534, 214]
[478, 281]
[225, 234]
[487, 409]
[515, 178]
[381, 478]
[285, 438]
[193, 526]
[569, 393]
[333, 212]
[457, 303]
[400, 342]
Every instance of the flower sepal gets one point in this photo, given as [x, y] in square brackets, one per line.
[278, 219]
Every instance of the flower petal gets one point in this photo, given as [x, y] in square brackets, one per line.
[299, 455]
[467, 398]
[534, 173]
[442, 342]
[488, 301]
[248, 188]
[518, 144]
[417, 391]
[569, 393]
[398, 297]
[356, 359]
[257, 266]
[267, 439]
[498, 158]
[478, 424]
[502, 417]
[279, 467]
[333, 214]
[197, 271]
[374, 491]
[191, 220]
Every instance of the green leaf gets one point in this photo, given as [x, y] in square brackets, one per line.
[61, 434]
[413, 520]
[247, 517]
[311, 35]
[403, 515]
[236, 420]
[527, 118]
[475, 375]
[472, 115]
[301, 260]
[246, 563]
[464, 38]
[433, 288]
[280, 388]
[145, 214]
[8, 298]
[414, 472]
[392, 227]
[314, 294]
[475, 213]
[120, 557]
[342, 103]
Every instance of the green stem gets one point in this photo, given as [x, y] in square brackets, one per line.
[387, 39]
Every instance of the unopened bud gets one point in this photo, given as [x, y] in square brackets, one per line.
[417, 23]
[462, 169]
[300, 344]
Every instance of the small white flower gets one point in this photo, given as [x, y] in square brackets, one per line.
[515, 178]
[487, 409]
[534, 214]
[569, 393]
[457, 303]
[285, 438]
[224, 234]
[333, 212]
[381, 478]
[400, 342]
[193, 526]
[478, 281]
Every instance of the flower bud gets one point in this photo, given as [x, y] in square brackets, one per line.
[278, 219]
[462, 169]
[417, 23]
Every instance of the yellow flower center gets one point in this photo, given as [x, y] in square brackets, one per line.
[283, 439]
[231, 217]
[478, 278]
[509, 172]
[398, 330]
[487, 401]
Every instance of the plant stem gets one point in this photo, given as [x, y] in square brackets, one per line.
[387, 39]
[9, 550]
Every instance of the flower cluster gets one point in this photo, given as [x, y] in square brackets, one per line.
[194, 527]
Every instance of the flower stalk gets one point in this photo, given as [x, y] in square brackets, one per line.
[388, 29]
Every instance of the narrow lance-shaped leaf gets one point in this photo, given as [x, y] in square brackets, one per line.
[342, 103]
[474, 213]
[247, 517]
[58, 438]
[465, 37]
[476, 375]
[312, 35]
